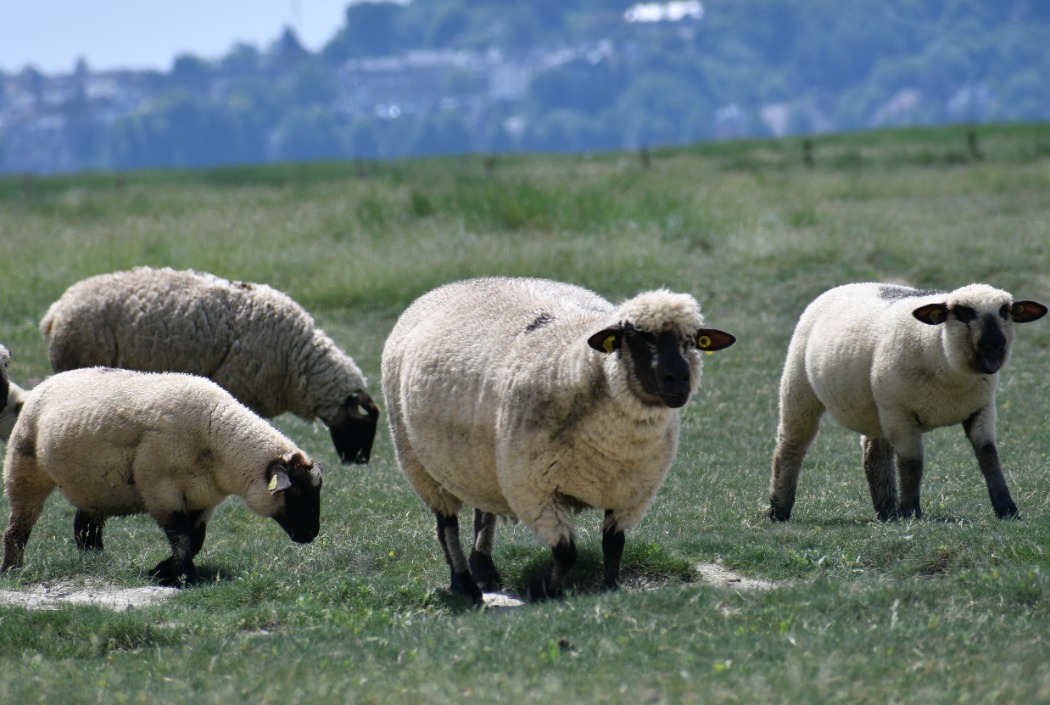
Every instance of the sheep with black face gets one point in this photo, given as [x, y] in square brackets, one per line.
[170, 445]
[530, 399]
[892, 363]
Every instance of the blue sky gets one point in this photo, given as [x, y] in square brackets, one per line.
[52, 34]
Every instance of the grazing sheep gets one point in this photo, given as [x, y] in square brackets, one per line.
[530, 399]
[253, 340]
[172, 445]
[891, 363]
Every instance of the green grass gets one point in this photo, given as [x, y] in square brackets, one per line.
[954, 608]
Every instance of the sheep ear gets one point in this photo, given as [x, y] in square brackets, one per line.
[606, 341]
[932, 314]
[279, 479]
[711, 339]
[1025, 311]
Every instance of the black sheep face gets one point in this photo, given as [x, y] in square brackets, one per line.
[663, 367]
[297, 486]
[354, 428]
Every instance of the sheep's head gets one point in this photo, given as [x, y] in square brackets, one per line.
[978, 325]
[295, 485]
[353, 427]
[661, 333]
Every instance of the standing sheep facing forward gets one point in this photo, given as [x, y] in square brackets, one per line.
[891, 363]
[171, 445]
[530, 399]
[254, 341]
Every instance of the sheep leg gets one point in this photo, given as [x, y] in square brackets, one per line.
[613, 541]
[182, 531]
[87, 530]
[27, 490]
[564, 553]
[481, 566]
[910, 471]
[878, 460]
[800, 413]
[983, 442]
[448, 537]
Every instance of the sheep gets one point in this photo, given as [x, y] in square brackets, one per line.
[892, 363]
[530, 399]
[251, 339]
[171, 445]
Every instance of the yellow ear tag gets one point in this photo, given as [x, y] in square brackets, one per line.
[608, 343]
[1018, 309]
[935, 315]
[703, 342]
[273, 483]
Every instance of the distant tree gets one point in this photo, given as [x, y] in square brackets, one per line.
[307, 134]
[288, 51]
[191, 73]
[312, 83]
[370, 29]
[177, 130]
[242, 60]
[448, 25]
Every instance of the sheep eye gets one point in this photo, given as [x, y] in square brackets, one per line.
[964, 314]
[1004, 312]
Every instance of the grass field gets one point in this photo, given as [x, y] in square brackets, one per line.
[954, 608]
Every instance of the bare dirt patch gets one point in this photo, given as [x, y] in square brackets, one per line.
[717, 574]
[53, 597]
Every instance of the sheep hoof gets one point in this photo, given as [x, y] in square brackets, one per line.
[165, 574]
[778, 513]
[1008, 512]
[541, 589]
[463, 584]
[484, 572]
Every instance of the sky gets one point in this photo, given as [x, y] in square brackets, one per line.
[51, 35]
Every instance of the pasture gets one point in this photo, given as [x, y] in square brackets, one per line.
[719, 604]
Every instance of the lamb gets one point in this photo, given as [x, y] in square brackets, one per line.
[530, 399]
[892, 363]
[118, 442]
[254, 341]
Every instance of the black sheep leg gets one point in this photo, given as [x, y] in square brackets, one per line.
[613, 542]
[87, 530]
[564, 559]
[481, 565]
[448, 536]
[184, 536]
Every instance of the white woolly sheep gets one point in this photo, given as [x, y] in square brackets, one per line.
[530, 399]
[171, 445]
[254, 341]
[891, 363]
